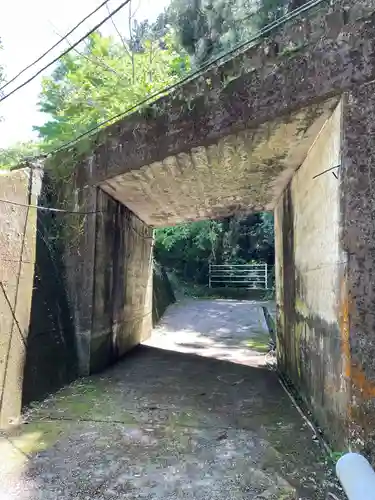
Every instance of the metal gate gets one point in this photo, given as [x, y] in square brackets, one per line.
[249, 276]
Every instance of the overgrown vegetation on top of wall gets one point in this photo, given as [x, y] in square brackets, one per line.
[107, 75]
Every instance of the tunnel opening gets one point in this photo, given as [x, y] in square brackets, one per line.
[286, 167]
[221, 273]
[291, 133]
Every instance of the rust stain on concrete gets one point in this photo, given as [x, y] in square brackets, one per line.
[352, 371]
[344, 328]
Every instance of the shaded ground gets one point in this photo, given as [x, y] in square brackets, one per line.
[165, 425]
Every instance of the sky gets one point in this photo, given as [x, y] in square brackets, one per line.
[25, 37]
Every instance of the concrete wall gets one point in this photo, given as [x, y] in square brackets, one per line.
[357, 182]
[163, 294]
[75, 288]
[308, 269]
[325, 272]
[52, 347]
[17, 257]
[93, 298]
[122, 305]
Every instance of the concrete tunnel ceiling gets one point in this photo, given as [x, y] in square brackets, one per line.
[241, 173]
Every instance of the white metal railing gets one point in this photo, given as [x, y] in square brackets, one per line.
[250, 276]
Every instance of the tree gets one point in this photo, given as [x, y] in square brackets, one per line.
[16, 154]
[209, 27]
[91, 86]
[189, 248]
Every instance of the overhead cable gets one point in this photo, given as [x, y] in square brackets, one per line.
[65, 51]
[266, 30]
[64, 37]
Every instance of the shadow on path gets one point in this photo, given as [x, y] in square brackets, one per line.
[165, 425]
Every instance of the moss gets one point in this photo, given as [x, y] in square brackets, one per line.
[37, 436]
[183, 419]
[87, 400]
[259, 342]
[336, 455]
[301, 307]
[289, 51]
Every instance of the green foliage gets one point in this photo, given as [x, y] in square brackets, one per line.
[15, 155]
[90, 87]
[271, 10]
[336, 455]
[189, 248]
[208, 27]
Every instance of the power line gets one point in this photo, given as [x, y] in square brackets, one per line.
[91, 57]
[266, 30]
[119, 34]
[50, 209]
[54, 46]
[66, 51]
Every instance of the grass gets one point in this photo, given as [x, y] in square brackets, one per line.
[336, 455]
[259, 343]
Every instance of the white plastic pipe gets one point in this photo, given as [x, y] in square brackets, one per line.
[356, 476]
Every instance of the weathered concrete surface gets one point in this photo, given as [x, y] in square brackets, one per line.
[325, 262]
[357, 207]
[17, 262]
[162, 292]
[75, 288]
[166, 425]
[122, 300]
[231, 111]
[241, 173]
[309, 264]
[229, 330]
[244, 113]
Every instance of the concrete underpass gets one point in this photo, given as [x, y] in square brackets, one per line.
[164, 424]
[287, 125]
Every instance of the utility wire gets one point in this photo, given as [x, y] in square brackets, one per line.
[54, 46]
[119, 34]
[266, 30]
[65, 51]
[327, 170]
[50, 209]
[73, 212]
[92, 58]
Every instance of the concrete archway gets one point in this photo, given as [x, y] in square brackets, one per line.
[251, 134]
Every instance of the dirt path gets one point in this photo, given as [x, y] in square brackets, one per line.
[169, 425]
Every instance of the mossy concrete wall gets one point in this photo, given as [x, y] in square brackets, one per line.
[122, 299]
[325, 265]
[75, 286]
[17, 256]
[308, 270]
[163, 294]
[357, 209]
